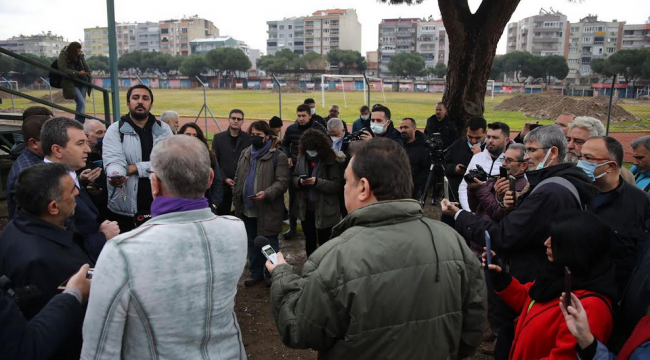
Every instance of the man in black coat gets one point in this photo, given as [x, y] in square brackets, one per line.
[40, 247]
[555, 186]
[381, 125]
[40, 337]
[416, 150]
[290, 144]
[312, 110]
[441, 123]
[461, 151]
[64, 141]
[228, 146]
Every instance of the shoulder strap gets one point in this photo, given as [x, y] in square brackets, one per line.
[645, 189]
[563, 182]
[119, 128]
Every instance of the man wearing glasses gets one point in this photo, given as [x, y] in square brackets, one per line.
[555, 187]
[228, 145]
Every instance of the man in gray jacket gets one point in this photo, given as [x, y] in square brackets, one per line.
[391, 283]
[126, 149]
[167, 289]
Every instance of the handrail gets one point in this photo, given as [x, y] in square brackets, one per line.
[47, 103]
[45, 67]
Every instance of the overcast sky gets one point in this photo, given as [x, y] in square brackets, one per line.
[246, 19]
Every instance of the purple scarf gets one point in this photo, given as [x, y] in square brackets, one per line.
[164, 205]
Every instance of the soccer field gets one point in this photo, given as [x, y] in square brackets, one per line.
[262, 104]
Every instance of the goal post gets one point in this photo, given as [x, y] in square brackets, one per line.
[490, 86]
[325, 78]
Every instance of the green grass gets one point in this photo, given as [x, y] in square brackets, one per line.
[262, 104]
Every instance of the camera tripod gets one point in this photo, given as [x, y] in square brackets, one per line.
[436, 176]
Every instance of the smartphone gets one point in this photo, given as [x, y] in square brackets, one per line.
[252, 196]
[567, 286]
[65, 283]
[488, 247]
[96, 164]
[503, 172]
[512, 183]
[302, 177]
[270, 254]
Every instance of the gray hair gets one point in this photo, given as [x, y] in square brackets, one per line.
[182, 164]
[88, 124]
[334, 106]
[548, 136]
[55, 132]
[519, 147]
[168, 116]
[643, 140]
[593, 125]
[335, 124]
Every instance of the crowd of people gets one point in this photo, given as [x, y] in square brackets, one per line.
[129, 241]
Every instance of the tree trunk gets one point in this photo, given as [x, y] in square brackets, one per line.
[473, 40]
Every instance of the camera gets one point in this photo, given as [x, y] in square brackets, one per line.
[357, 135]
[435, 146]
[479, 173]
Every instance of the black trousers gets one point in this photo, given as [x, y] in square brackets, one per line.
[226, 205]
[314, 237]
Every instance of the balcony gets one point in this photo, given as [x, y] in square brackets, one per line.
[546, 39]
[404, 33]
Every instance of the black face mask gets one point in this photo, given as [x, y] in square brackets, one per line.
[257, 141]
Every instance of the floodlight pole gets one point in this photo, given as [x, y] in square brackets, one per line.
[112, 60]
[206, 108]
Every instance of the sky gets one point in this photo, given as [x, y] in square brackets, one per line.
[246, 19]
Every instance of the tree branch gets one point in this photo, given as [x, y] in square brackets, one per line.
[456, 15]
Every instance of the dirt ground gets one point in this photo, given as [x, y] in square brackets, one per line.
[253, 308]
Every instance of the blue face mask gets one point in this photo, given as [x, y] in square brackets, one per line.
[589, 168]
[542, 165]
[469, 143]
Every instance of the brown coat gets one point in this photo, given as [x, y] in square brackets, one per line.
[328, 186]
[274, 183]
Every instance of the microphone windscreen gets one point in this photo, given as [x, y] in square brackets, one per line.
[261, 241]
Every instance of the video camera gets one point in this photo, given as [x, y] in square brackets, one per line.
[479, 173]
[19, 295]
[435, 146]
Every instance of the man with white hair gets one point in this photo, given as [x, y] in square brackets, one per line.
[578, 132]
[94, 131]
[167, 289]
[171, 119]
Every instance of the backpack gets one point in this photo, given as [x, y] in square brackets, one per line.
[55, 79]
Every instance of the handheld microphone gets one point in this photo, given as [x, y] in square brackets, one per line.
[262, 243]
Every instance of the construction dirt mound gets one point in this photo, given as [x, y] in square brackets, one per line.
[57, 98]
[551, 106]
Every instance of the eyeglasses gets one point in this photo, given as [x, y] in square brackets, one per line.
[509, 161]
[530, 150]
[590, 158]
[233, 118]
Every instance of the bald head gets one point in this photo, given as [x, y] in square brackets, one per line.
[182, 165]
[94, 130]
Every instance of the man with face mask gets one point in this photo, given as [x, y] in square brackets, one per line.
[363, 120]
[312, 110]
[623, 206]
[554, 186]
[416, 150]
[489, 159]
[126, 149]
[382, 126]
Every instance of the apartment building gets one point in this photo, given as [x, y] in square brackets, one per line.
[288, 33]
[176, 34]
[41, 44]
[372, 58]
[591, 39]
[331, 29]
[205, 44]
[432, 42]
[541, 35]
[636, 36]
[96, 41]
[426, 37]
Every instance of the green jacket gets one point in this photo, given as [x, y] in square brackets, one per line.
[390, 284]
[67, 67]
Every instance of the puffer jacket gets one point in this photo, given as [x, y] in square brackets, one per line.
[166, 290]
[67, 67]
[273, 180]
[327, 189]
[291, 139]
[390, 284]
[118, 154]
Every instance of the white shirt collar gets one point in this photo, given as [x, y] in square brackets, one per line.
[72, 173]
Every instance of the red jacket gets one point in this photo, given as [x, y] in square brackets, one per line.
[541, 329]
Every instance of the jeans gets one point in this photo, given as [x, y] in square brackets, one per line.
[80, 99]
[314, 236]
[256, 259]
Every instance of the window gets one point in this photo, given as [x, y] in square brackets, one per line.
[575, 29]
[290, 27]
[587, 39]
[271, 43]
[574, 61]
[628, 32]
[290, 35]
[575, 40]
[281, 36]
[589, 29]
[586, 60]
[184, 30]
[612, 40]
[574, 50]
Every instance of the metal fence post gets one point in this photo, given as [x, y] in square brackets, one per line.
[611, 98]
[50, 88]
[279, 93]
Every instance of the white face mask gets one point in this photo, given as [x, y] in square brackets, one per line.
[378, 129]
[542, 165]
[335, 139]
[313, 110]
[312, 153]
[365, 117]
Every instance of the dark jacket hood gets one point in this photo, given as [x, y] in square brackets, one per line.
[586, 190]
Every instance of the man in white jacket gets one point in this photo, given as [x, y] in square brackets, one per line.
[166, 290]
[490, 159]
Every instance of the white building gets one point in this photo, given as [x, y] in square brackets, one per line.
[540, 35]
[287, 33]
[41, 45]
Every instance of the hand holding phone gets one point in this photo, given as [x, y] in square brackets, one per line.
[64, 284]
